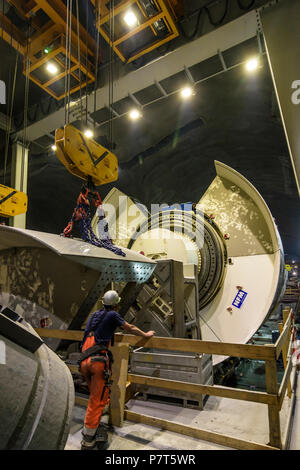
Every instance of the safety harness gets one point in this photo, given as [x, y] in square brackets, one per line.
[92, 351]
[99, 353]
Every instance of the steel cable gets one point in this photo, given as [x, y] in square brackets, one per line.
[86, 64]
[206, 9]
[9, 120]
[79, 58]
[111, 72]
[66, 59]
[25, 109]
[220, 21]
[192, 36]
[243, 7]
[96, 65]
[69, 59]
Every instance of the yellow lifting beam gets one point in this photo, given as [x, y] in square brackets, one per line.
[83, 157]
[12, 202]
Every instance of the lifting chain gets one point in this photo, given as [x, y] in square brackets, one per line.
[82, 215]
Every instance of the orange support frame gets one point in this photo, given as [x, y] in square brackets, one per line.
[53, 57]
[163, 13]
[44, 35]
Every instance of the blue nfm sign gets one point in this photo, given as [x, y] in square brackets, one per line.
[239, 298]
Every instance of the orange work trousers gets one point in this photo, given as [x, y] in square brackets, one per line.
[93, 373]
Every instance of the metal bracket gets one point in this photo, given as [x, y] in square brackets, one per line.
[222, 60]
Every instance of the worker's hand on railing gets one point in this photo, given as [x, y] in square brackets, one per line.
[149, 334]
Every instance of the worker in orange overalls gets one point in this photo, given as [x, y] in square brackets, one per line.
[95, 364]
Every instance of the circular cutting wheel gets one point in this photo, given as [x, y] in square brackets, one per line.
[190, 237]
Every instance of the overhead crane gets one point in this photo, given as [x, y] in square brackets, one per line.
[156, 25]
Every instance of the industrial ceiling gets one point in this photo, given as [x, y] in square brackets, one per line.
[167, 156]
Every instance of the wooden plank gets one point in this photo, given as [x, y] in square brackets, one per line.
[177, 282]
[130, 391]
[72, 335]
[273, 410]
[249, 351]
[285, 314]
[210, 436]
[197, 346]
[285, 382]
[118, 389]
[285, 349]
[286, 333]
[218, 391]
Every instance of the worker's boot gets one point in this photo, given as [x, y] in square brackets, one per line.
[88, 442]
[102, 437]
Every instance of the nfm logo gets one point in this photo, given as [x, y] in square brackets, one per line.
[2, 92]
[296, 94]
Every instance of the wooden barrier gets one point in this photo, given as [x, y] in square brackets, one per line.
[273, 397]
[210, 436]
[118, 389]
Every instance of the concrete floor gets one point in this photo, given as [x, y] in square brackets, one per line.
[244, 420]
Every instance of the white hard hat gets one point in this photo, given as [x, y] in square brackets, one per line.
[111, 297]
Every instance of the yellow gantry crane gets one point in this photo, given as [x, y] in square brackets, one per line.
[12, 202]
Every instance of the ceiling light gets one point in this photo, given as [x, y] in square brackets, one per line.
[51, 68]
[46, 50]
[134, 114]
[186, 92]
[53, 147]
[252, 64]
[88, 133]
[130, 18]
